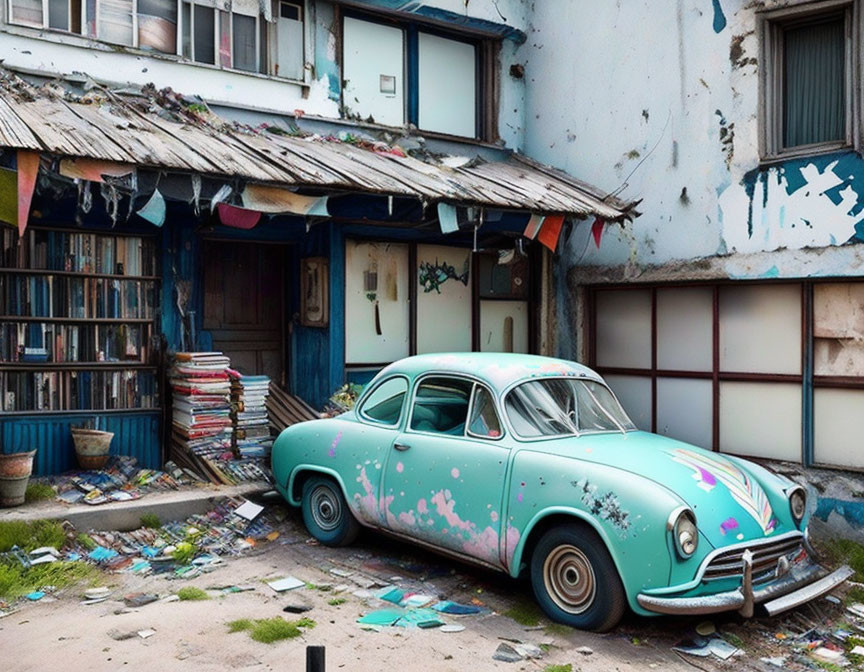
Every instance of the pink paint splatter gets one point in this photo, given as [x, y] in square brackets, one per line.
[494, 516]
[511, 541]
[400, 467]
[332, 452]
[407, 518]
[728, 525]
[520, 497]
[483, 545]
[444, 507]
[422, 508]
[454, 472]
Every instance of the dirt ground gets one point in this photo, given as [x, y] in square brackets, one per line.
[65, 634]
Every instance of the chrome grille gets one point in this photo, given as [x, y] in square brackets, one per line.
[728, 563]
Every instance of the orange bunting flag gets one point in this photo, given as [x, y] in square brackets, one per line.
[551, 231]
[28, 169]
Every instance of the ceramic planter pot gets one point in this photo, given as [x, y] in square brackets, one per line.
[15, 470]
[91, 447]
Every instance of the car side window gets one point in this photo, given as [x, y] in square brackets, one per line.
[484, 420]
[384, 404]
[441, 406]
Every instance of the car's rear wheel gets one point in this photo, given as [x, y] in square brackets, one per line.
[326, 513]
[574, 579]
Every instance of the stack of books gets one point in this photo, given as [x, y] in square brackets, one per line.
[202, 409]
[203, 422]
[249, 412]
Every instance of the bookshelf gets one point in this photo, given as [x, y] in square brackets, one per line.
[79, 317]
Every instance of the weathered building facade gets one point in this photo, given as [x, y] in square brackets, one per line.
[730, 313]
[313, 188]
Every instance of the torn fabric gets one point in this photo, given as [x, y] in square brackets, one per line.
[93, 170]
[533, 226]
[275, 200]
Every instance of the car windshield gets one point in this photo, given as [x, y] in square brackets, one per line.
[564, 406]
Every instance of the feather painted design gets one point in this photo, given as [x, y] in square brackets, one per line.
[743, 489]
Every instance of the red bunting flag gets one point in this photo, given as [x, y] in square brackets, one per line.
[597, 230]
[238, 218]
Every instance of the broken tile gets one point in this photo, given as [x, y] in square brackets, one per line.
[148, 632]
[506, 653]
[452, 627]
[288, 583]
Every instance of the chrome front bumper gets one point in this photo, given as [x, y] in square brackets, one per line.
[803, 582]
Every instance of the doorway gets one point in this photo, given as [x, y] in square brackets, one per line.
[244, 300]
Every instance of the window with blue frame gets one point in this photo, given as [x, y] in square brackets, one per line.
[397, 73]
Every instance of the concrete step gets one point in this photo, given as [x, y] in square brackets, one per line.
[122, 516]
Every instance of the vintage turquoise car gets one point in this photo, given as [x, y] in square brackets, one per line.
[529, 464]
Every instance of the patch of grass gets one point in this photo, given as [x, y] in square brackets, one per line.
[192, 593]
[85, 541]
[240, 625]
[151, 520]
[829, 667]
[558, 668]
[16, 581]
[36, 492]
[851, 642]
[525, 613]
[855, 594]
[30, 535]
[324, 587]
[269, 630]
[838, 551]
[336, 601]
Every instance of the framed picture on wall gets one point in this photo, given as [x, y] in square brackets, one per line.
[314, 292]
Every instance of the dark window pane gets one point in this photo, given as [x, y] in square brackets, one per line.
[244, 42]
[205, 42]
[187, 30]
[262, 47]
[814, 106]
[58, 14]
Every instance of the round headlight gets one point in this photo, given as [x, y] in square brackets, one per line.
[685, 533]
[798, 504]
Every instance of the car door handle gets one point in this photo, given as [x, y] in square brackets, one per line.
[401, 446]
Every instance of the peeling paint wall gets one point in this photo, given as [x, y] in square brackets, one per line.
[63, 54]
[673, 120]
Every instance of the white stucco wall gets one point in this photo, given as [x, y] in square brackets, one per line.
[655, 98]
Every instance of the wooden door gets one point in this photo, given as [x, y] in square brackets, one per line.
[243, 305]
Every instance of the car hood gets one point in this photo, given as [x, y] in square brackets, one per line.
[730, 504]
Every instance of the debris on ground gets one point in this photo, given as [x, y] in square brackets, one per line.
[120, 480]
[516, 651]
[288, 583]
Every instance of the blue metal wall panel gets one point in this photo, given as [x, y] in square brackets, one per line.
[135, 434]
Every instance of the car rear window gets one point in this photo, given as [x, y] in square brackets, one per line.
[441, 406]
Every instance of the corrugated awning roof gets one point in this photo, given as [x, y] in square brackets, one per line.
[165, 131]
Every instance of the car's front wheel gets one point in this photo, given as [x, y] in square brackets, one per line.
[326, 513]
[574, 579]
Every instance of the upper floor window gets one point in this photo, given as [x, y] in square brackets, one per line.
[808, 98]
[396, 73]
[244, 38]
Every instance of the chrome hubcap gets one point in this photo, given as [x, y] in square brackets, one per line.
[326, 508]
[569, 579]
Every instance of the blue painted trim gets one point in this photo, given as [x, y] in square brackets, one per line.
[337, 306]
[412, 75]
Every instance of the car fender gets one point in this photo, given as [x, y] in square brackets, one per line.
[516, 560]
[332, 473]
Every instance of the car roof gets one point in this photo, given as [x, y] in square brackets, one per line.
[498, 369]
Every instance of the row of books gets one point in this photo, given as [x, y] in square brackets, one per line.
[80, 252]
[249, 413]
[77, 390]
[74, 297]
[36, 342]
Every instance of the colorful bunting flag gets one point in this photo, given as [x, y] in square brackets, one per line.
[28, 169]
[447, 218]
[597, 230]
[275, 200]
[154, 209]
[533, 227]
[551, 231]
[238, 218]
